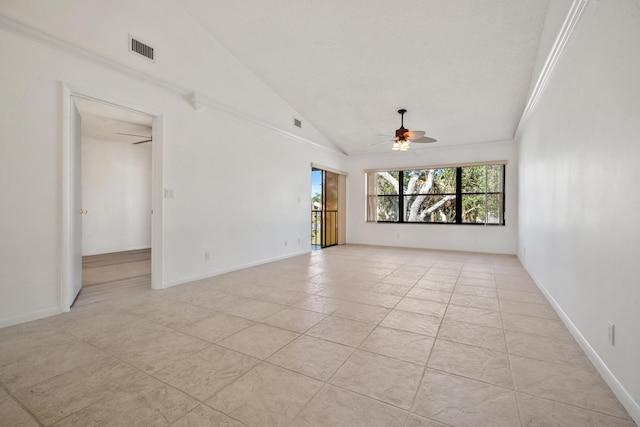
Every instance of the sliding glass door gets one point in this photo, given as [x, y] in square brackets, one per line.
[324, 208]
[330, 211]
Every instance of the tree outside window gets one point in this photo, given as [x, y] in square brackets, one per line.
[455, 195]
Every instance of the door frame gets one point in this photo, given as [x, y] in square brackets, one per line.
[69, 195]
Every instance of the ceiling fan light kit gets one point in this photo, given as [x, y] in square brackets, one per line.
[400, 146]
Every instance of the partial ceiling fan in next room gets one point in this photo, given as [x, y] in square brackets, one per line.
[404, 137]
[147, 138]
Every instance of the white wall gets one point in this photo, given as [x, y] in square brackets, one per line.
[116, 192]
[579, 195]
[241, 188]
[489, 239]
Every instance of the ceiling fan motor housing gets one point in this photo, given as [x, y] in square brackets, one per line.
[400, 133]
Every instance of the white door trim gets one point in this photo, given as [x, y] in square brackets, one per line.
[66, 262]
[66, 265]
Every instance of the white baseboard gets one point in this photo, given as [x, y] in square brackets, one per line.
[28, 317]
[214, 273]
[629, 403]
[52, 311]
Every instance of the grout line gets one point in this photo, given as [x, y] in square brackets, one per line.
[506, 345]
[426, 364]
[130, 310]
[24, 408]
[582, 408]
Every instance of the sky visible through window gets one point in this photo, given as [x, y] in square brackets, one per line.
[316, 182]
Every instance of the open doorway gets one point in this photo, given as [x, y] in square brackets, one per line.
[316, 209]
[116, 201]
[327, 208]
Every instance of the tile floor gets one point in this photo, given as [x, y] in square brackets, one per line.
[346, 336]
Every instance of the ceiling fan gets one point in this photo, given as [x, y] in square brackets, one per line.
[139, 136]
[404, 136]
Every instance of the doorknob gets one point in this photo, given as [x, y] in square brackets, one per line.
[83, 211]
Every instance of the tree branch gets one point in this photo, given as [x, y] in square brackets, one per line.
[435, 206]
[414, 208]
[391, 180]
[412, 184]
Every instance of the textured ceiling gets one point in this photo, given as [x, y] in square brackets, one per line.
[461, 68]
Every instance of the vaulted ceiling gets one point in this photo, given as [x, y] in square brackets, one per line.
[462, 68]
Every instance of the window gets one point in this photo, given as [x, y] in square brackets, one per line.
[469, 194]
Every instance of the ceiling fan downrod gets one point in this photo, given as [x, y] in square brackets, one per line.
[400, 133]
[401, 112]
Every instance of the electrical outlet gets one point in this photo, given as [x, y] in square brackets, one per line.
[286, 243]
[207, 255]
[612, 333]
[298, 240]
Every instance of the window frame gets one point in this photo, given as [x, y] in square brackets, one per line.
[372, 195]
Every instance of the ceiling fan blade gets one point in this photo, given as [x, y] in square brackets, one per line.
[382, 142]
[413, 135]
[142, 142]
[424, 139]
[133, 134]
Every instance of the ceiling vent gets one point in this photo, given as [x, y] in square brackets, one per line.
[297, 123]
[136, 46]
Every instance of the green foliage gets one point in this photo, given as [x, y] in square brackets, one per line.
[479, 205]
[429, 195]
[316, 202]
[444, 181]
[387, 185]
[316, 218]
[387, 208]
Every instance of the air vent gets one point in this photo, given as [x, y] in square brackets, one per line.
[297, 123]
[136, 46]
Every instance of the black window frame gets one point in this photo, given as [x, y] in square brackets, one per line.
[458, 196]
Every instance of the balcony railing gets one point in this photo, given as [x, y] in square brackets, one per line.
[324, 228]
